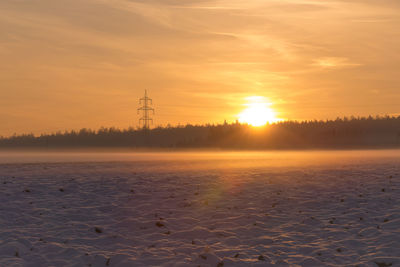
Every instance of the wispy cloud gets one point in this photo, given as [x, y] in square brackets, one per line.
[334, 62]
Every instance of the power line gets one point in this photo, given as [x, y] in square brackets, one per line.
[145, 109]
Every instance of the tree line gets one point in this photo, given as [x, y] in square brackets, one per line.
[342, 133]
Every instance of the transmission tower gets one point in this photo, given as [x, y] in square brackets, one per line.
[145, 110]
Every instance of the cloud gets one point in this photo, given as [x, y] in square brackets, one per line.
[334, 62]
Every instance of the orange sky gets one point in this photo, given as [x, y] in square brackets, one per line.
[69, 64]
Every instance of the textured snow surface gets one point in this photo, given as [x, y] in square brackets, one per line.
[187, 213]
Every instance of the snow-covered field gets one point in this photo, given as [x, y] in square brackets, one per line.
[211, 209]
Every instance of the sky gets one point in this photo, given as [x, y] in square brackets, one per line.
[71, 64]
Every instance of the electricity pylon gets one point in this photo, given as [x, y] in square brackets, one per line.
[145, 109]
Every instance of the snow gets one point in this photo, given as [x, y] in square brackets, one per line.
[214, 209]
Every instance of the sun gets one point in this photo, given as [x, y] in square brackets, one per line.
[258, 112]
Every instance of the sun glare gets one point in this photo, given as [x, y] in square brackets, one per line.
[258, 112]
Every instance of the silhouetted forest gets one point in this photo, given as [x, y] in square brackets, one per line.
[378, 132]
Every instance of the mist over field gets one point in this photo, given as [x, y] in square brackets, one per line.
[205, 158]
